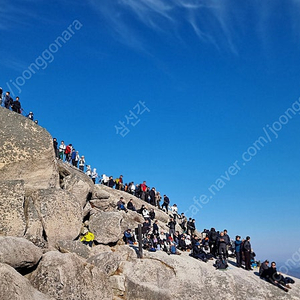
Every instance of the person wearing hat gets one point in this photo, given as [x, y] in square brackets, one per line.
[81, 163]
[30, 116]
[87, 238]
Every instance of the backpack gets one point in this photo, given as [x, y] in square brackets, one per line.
[221, 264]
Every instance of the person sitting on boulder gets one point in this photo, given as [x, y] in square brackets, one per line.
[145, 214]
[198, 253]
[146, 227]
[263, 267]
[275, 277]
[121, 205]
[155, 228]
[182, 245]
[140, 211]
[130, 205]
[128, 237]
[152, 214]
[147, 242]
[87, 238]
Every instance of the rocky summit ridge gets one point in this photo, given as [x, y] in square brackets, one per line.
[43, 203]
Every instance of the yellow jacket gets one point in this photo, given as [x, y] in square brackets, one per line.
[89, 237]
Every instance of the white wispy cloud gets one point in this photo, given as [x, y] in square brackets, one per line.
[219, 22]
[205, 18]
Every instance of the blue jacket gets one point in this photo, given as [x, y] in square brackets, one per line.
[238, 245]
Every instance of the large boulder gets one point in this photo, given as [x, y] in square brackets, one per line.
[107, 261]
[19, 253]
[12, 219]
[106, 226]
[26, 152]
[15, 286]
[53, 215]
[65, 276]
[76, 247]
[75, 182]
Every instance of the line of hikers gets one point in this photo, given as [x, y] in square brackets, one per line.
[15, 105]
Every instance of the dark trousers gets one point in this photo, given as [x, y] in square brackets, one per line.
[166, 206]
[247, 260]
[238, 258]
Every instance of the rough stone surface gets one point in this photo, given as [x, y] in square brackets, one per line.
[12, 219]
[182, 277]
[106, 226]
[53, 215]
[14, 286]
[75, 182]
[19, 253]
[26, 151]
[99, 192]
[65, 276]
[76, 247]
[118, 284]
[108, 262]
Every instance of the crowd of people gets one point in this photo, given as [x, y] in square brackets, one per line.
[211, 244]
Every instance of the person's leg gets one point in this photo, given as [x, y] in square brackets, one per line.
[238, 259]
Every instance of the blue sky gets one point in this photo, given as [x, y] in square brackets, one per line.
[216, 77]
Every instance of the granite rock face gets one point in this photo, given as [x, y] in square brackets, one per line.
[44, 205]
[65, 276]
[12, 217]
[19, 253]
[14, 286]
[26, 152]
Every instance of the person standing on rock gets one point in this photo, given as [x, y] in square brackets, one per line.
[8, 100]
[88, 171]
[55, 144]
[221, 242]
[171, 225]
[247, 252]
[16, 106]
[227, 240]
[61, 150]
[94, 175]
[81, 163]
[87, 238]
[238, 251]
[166, 203]
[68, 152]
